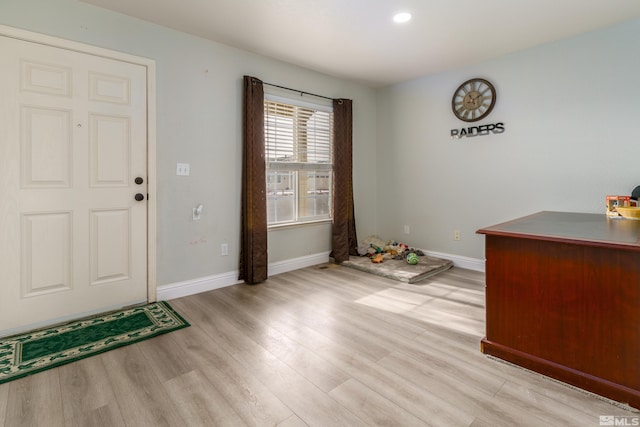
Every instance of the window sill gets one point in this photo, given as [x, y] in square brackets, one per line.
[275, 227]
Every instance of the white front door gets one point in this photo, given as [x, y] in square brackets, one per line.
[73, 141]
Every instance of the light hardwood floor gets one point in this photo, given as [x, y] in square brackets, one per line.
[321, 346]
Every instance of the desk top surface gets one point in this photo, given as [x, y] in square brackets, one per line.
[571, 227]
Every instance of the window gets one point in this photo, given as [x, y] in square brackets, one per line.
[299, 161]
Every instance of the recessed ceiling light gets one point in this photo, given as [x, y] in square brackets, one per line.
[402, 17]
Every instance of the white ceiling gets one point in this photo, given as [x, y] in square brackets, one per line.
[358, 40]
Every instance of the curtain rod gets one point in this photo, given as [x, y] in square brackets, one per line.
[301, 92]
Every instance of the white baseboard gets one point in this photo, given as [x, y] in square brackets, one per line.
[460, 261]
[209, 283]
[196, 286]
[297, 263]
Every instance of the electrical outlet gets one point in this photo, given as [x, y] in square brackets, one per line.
[224, 249]
[406, 229]
[456, 234]
[197, 213]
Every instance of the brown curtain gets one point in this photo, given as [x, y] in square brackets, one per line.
[344, 239]
[253, 216]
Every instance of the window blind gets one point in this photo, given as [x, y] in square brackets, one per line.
[297, 137]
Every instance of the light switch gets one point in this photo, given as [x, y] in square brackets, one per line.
[182, 169]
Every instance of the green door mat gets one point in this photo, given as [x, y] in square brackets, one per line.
[28, 353]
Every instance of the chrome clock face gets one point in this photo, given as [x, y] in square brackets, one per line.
[473, 100]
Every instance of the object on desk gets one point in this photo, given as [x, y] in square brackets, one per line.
[615, 201]
[629, 212]
[635, 195]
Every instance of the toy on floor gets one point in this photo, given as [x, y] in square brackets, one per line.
[379, 250]
[412, 258]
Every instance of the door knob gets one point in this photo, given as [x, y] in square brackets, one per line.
[139, 197]
[139, 180]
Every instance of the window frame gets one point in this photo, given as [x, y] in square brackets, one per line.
[325, 169]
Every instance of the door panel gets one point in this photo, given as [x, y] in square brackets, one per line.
[45, 78]
[109, 151]
[46, 148]
[73, 137]
[47, 257]
[110, 249]
[109, 88]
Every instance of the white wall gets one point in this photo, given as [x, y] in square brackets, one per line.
[199, 89]
[570, 109]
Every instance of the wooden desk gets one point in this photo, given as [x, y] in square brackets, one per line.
[563, 299]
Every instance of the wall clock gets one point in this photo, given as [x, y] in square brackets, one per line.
[473, 100]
